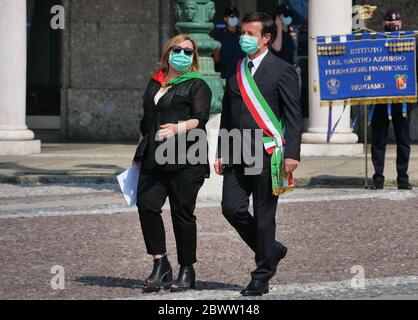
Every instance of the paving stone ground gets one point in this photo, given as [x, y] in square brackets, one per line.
[87, 229]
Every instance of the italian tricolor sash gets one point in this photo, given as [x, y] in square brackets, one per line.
[272, 127]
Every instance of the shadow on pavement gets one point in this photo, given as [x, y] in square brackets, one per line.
[208, 285]
[111, 282]
[26, 170]
[336, 181]
[115, 282]
[81, 175]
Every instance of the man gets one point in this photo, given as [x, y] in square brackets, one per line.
[230, 51]
[277, 83]
[401, 125]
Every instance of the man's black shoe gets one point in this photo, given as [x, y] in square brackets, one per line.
[404, 186]
[280, 253]
[256, 288]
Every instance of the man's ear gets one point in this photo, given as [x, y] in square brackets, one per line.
[267, 36]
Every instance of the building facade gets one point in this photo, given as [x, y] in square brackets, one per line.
[84, 82]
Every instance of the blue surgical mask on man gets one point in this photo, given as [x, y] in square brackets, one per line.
[180, 61]
[233, 21]
[249, 44]
[287, 21]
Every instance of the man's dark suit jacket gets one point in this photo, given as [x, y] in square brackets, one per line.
[278, 83]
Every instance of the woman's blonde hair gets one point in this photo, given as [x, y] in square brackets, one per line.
[174, 42]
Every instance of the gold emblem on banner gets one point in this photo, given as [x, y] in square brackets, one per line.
[400, 46]
[331, 50]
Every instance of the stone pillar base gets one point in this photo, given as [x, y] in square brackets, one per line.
[341, 144]
[331, 150]
[337, 138]
[20, 148]
[16, 134]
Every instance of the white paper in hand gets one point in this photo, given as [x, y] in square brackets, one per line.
[128, 182]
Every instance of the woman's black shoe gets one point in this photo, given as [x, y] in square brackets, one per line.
[160, 276]
[376, 186]
[185, 281]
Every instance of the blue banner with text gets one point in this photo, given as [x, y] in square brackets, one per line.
[368, 68]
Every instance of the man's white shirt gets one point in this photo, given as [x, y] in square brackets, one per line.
[257, 61]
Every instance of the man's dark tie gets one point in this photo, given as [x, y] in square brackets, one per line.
[250, 65]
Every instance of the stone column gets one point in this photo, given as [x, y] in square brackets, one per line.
[327, 17]
[15, 138]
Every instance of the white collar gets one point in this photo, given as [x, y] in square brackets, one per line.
[257, 61]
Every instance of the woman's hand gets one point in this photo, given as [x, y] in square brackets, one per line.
[168, 130]
[218, 166]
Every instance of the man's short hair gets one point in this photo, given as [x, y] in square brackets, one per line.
[266, 21]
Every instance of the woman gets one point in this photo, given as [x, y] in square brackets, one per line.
[176, 102]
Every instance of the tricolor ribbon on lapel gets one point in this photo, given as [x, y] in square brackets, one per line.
[272, 127]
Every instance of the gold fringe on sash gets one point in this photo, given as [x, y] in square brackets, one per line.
[279, 191]
[369, 101]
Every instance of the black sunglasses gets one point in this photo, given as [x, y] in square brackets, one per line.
[178, 49]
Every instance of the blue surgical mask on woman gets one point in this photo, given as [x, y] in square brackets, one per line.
[233, 22]
[287, 21]
[249, 44]
[180, 61]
